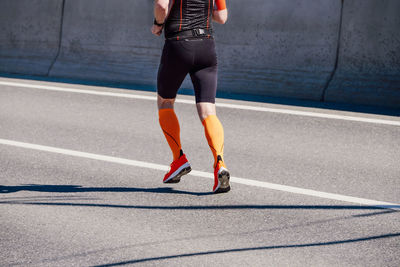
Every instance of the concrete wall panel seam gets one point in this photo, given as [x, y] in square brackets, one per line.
[29, 35]
[60, 38]
[337, 54]
[323, 50]
[368, 71]
[288, 49]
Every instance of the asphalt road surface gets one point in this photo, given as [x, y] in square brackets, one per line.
[81, 183]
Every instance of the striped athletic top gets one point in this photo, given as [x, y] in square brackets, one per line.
[191, 14]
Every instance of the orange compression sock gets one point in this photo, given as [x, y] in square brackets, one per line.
[170, 125]
[215, 136]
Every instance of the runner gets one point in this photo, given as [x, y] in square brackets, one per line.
[190, 49]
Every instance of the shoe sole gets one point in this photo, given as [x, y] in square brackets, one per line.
[177, 177]
[223, 179]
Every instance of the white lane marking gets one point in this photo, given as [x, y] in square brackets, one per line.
[142, 164]
[79, 91]
[225, 105]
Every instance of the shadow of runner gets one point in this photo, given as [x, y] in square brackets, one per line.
[79, 189]
[19, 201]
[363, 239]
[159, 190]
[207, 207]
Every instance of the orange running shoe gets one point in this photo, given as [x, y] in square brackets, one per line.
[178, 168]
[221, 178]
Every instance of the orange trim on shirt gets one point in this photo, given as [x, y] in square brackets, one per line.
[180, 24]
[221, 4]
[208, 14]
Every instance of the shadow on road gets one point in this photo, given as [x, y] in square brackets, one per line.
[376, 211]
[208, 207]
[160, 190]
[80, 189]
[65, 200]
[317, 244]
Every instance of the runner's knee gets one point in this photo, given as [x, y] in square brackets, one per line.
[164, 103]
[205, 109]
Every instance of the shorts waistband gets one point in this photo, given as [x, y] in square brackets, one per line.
[194, 33]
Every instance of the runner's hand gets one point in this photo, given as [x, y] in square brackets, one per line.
[156, 30]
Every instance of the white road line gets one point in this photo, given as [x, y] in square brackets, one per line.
[142, 164]
[79, 91]
[225, 105]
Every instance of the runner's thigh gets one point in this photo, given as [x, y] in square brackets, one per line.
[174, 66]
[205, 71]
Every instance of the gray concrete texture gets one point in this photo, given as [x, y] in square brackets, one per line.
[276, 47]
[284, 48]
[369, 58]
[108, 40]
[29, 35]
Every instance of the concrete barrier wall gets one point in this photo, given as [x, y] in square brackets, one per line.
[282, 48]
[279, 47]
[276, 46]
[29, 35]
[109, 41]
[369, 57]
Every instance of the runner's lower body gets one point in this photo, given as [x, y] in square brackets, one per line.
[196, 57]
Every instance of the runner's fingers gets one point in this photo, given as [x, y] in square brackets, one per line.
[156, 30]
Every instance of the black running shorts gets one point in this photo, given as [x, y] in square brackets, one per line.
[194, 56]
